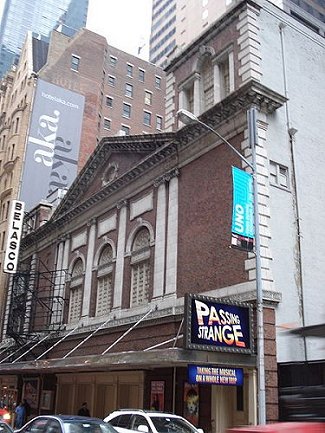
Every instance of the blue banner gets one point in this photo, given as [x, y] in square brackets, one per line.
[243, 204]
[215, 375]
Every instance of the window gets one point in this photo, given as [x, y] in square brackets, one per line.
[75, 61]
[140, 274]
[104, 282]
[159, 122]
[17, 125]
[12, 152]
[147, 118]
[141, 75]
[158, 82]
[279, 175]
[111, 80]
[76, 292]
[109, 101]
[126, 110]
[107, 123]
[125, 129]
[128, 90]
[129, 70]
[147, 97]
[112, 60]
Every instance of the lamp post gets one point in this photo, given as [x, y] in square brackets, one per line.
[187, 118]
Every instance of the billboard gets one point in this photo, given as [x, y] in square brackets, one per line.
[215, 326]
[243, 232]
[15, 226]
[53, 142]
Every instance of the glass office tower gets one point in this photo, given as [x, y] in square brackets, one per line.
[39, 16]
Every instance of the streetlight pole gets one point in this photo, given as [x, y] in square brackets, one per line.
[187, 117]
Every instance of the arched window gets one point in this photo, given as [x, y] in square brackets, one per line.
[104, 281]
[140, 262]
[207, 83]
[76, 291]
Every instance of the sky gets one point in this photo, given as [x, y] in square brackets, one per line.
[125, 23]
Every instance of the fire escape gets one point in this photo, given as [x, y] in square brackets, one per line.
[37, 306]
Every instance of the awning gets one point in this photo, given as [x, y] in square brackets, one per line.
[310, 331]
[144, 360]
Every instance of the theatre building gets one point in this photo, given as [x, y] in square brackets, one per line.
[129, 294]
[137, 291]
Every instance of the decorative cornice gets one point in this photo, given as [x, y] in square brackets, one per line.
[269, 297]
[166, 177]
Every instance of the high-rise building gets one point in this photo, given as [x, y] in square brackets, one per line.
[176, 23]
[39, 16]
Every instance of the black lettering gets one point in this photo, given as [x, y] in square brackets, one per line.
[13, 245]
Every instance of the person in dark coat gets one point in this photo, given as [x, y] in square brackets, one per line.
[20, 415]
[27, 410]
[84, 411]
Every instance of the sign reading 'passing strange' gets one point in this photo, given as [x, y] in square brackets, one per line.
[211, 325]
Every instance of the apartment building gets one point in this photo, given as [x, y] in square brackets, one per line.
[116, 94]
[176, 23]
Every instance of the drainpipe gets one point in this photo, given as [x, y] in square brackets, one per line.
[291, 133]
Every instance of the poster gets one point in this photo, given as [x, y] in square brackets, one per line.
[191, 403]
[30, 392]
[157, 395]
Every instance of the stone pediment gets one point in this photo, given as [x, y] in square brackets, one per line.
[151, 151]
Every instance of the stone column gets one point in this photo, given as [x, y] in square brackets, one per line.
[160, 243]
[216, 83]
[119, 266]
[197, 96]
[89, 267]
[172, 236]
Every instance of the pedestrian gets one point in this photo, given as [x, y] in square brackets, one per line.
[20, 415]
[84, 411]
[27, 410]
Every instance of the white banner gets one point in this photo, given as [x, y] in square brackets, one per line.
[14, 234]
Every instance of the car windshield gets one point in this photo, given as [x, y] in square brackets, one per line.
[4, 428]
[165, 424]
[77, 426]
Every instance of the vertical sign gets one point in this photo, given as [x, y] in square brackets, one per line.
[52, 148]
[243, 232]
[14, 234]
[157, 395]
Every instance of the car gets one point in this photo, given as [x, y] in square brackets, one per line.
[148, 421]
[66, 424]
[5, 427]
[5, 415]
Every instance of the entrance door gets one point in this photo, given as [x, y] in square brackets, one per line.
[128, 396]
[229, 407]
[104, 400]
